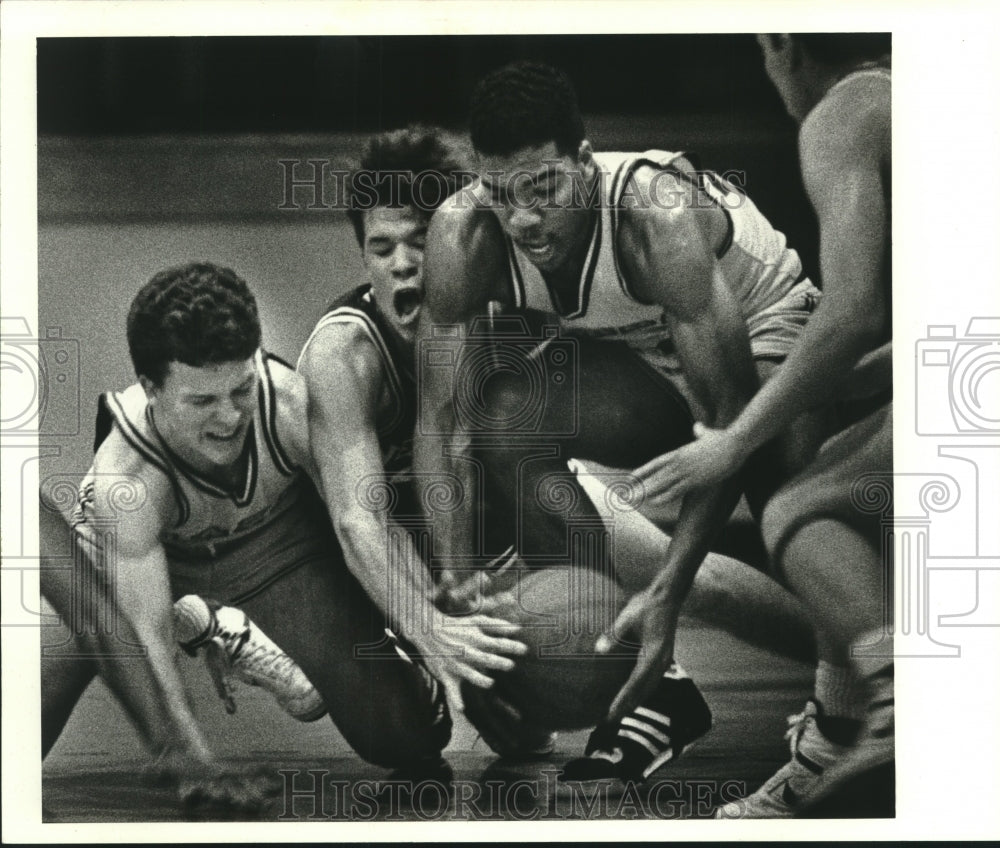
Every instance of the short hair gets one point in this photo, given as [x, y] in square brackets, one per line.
[197, 314]
[844, 48]
[525, 104]
[416, 166]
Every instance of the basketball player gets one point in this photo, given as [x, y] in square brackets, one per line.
[837, 86]
[678, 297]
[212, 444]
[360, 372]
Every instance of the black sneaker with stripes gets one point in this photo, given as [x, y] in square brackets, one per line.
[670, 719]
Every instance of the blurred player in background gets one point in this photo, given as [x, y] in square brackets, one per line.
[679, 298]
[212, 443]
[838, 88]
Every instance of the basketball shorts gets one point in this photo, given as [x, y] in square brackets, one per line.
[232, 573]
[847, 482]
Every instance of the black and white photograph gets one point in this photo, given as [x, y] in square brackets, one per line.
[451, 431]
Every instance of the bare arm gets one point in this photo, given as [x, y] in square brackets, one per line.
[343, 377]
[842, 171]
[844, 152]
[673, 266]
[464, 264]
[138, 599]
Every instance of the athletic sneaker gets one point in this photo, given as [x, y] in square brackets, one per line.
[236, 647]
[797, 781]
[876, 745]
[673, 717]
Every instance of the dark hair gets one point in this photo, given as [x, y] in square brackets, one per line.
[197, 314]
[416, 166]
[525, 104]
[845, 48]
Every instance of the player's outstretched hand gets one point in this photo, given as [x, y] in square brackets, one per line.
[217, 788]
[711, 458]
[653, 623]
[468, 648]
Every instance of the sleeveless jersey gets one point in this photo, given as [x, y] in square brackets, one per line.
[755, 261]
[395, 425]
[209, 518]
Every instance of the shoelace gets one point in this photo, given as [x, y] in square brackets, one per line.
[278, 664]
[799, 723]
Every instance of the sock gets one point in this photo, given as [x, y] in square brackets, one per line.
[841, 703]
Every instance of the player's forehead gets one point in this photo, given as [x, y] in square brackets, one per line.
[394, 224]
[217, 378]
[534, 162]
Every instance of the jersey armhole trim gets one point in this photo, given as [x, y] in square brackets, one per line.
[268, 404]
[149, 453]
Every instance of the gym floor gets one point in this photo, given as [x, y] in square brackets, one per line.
[96, 772]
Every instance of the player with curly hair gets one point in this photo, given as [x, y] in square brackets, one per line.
[213, 442]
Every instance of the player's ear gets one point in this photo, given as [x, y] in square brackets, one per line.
[585, 153]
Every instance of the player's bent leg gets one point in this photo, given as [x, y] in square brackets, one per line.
[726, 592]
[64, 680]
[390, 711]
[827, 548]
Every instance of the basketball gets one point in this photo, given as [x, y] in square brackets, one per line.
[561, 684]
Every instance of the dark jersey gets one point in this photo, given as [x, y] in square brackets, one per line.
[396, 420]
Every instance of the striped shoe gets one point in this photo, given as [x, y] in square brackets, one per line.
[673, 717]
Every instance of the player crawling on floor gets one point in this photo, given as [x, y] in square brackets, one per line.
[213, 442]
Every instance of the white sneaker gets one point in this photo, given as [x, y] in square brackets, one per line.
[876, 745]
[235, 646]
[796, 782]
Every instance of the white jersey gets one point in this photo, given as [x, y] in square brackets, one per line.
[756, 263]
[208, 515]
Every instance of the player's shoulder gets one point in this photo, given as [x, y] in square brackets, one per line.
[857, 112]
[662, 206]
[291, 409]
[344, 339]
[138, 481]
